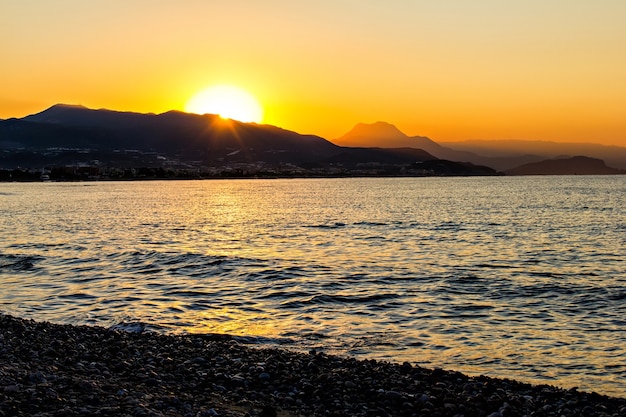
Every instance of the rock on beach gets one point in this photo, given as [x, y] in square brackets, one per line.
[61, 370]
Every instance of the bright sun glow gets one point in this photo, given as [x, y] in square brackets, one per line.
[228, 101]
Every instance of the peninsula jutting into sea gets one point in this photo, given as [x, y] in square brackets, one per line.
[68, 142]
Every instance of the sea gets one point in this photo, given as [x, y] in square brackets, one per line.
[509, 277]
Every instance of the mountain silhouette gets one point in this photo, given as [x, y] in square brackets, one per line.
[206, 139]
[509, 151]
[74, 135]
[577, 165]
[182, 133]
[383, 135]
[376, 135]
[386, 135]
[499, 154]
[71, 135]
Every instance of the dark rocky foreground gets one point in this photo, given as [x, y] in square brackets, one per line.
[59, 370]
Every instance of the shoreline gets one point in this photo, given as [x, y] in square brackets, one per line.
[62, 370]
[290, 177]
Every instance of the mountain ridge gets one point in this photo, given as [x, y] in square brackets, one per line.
[203, 137]
[74, 135]
[499, 154]
[576, 165]
[383, 135]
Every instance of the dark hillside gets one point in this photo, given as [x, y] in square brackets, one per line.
[97, 141]
[578, 165]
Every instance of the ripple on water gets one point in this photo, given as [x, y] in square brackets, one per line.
[18, 262]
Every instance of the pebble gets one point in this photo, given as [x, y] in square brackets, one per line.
[105, 372]
[12, 388]
[394, 395]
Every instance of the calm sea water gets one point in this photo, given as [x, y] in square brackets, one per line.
[520, 277]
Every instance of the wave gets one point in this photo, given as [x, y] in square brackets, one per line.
[130, 327]
[370, 223]
[339, 299]
[335, 225]
[18, 262]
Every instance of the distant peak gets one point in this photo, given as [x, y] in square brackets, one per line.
[52, 113]
[382, 135]
[376, 130]
[376, 124]
[67, 106]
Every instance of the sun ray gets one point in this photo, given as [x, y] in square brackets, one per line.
[228, 102]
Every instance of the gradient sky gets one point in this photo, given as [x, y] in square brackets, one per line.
[450, 69]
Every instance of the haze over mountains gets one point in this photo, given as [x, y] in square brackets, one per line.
[502, 155]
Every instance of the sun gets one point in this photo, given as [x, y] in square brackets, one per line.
[228, 101]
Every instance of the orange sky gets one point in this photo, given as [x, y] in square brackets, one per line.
[450, 70]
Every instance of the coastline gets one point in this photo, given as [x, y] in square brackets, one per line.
[62, 370]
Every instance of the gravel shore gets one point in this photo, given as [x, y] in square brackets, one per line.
[61, 370]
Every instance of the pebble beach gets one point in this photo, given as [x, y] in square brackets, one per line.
[62, 370]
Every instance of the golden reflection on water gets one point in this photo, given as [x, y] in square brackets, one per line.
[230, 321]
